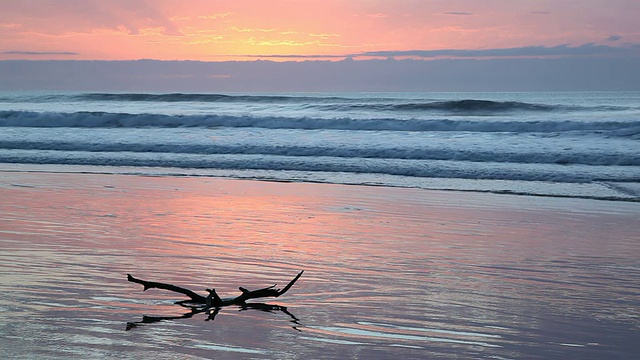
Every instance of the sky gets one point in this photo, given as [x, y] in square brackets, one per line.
[290, 31]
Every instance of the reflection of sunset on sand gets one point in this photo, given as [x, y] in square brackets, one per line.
[400, 272]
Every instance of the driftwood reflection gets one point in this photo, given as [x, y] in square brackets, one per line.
[211, 313]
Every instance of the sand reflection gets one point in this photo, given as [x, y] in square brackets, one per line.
[388, 272]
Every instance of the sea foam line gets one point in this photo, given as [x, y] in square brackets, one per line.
[411, 168]
[629, 158]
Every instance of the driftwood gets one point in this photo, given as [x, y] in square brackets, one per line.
[212, 303]
[213, 300]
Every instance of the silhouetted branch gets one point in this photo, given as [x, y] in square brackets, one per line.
[157, 285]
[212, 303]
[213, 300]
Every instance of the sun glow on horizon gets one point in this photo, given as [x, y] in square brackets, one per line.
[306, 29]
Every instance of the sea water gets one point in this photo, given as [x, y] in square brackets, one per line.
[573, 144]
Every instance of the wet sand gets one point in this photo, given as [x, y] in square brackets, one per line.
[388, 272]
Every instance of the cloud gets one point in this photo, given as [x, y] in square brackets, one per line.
[40, 53]
[214, 16]
[242, 30]
[259, 42]
[293, 56]
[510, 74]
[52, 17]
[614, 38]
[378, 16]
[585, 50]
[325, 36]
[589, 49]
[463, 13]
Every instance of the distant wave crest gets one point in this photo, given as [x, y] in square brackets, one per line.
[454, 106]
[325, 103]
[333, 103]
[182, 97]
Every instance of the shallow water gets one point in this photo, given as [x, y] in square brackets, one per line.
[388, 272]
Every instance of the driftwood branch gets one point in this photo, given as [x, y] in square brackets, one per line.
[212, 300]
[157, 285]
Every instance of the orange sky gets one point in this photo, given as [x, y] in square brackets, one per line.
[232, 29]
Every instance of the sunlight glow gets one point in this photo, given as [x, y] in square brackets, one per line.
[230, 30]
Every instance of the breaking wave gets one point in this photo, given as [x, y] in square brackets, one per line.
[621, 158]
[410, 168]
[125, 120]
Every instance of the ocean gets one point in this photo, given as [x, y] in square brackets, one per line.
[568, 144]
[95, 186]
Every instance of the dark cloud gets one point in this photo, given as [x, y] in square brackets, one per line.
[583, 73]
[589, 49]
[614, 38]
[525, 51]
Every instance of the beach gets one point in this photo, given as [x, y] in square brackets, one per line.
[389, 272]
[319, 180]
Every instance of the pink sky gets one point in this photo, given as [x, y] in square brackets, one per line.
[209, 30]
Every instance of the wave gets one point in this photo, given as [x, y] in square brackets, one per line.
[166, 98]
[408, 168]
[337, 102]
[126, 120]
[465, 106]
[468, 106]
[333, 103]
[482, 156]
[187, 97]
[326, 103]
